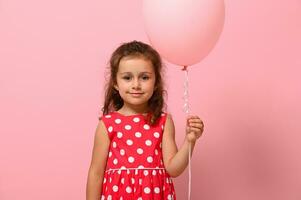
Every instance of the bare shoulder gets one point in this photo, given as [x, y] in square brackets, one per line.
[101, 132]
[169, 127]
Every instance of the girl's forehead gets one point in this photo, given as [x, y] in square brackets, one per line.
[135, 64]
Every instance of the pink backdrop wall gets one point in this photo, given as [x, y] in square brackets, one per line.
[248, 90]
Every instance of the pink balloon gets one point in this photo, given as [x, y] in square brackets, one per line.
[183, 31]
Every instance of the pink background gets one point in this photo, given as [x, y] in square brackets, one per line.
[52, 60]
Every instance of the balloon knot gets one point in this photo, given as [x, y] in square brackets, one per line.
[184, 68]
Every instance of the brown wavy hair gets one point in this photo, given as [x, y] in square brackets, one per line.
[156, 103]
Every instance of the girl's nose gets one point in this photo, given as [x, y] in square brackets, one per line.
[136, 84]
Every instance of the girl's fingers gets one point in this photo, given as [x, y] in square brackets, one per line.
[194, 119]
[196, 125]
[195, 130]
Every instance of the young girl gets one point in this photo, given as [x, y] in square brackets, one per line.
[135, 154]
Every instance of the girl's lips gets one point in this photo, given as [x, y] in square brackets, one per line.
[136, 94]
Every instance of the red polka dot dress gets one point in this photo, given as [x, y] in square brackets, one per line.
[135, 169]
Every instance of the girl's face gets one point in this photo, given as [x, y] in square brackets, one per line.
[135, 81]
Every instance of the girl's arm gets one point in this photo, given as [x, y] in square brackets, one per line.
[98, 163]
[175, 161]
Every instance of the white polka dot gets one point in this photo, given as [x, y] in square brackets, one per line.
[119, 135]
[128, 171]
[147, 190]
[169, 197]
[122, 152]
[138, 134]
[109, 197]
[162, 127]
[146, 127]
[128, 189]
[140, 151]
[136, 119]
[145, 173]
[110, 180]
[129, 142]
[117, 121]
[123, 167]
[167, 180]
[128, 127]
[148, 142]
[119, 171]
[122, 180]
[140, 181]
[156, 134]
[156, 152]
[154, 172]
[157, 190]
[140, 198]
[162, 114]
[102, 197]
[110, 129]
[104, 180]
[131, 159]
[108, 116]
[149, 159]
[121, 198]
[133, 181]
[114, 145]
[115, 188]
[115, 161]
[140, 167]
[110, 154]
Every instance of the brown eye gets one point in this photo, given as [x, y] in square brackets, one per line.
[126, 77]
[145, 78]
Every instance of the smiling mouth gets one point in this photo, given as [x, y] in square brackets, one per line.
[136, 94]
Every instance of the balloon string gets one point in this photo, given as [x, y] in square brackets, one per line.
[186, 110]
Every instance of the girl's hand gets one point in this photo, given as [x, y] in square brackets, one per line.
[194, 128]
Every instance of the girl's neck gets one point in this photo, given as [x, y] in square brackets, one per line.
[132, 111]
